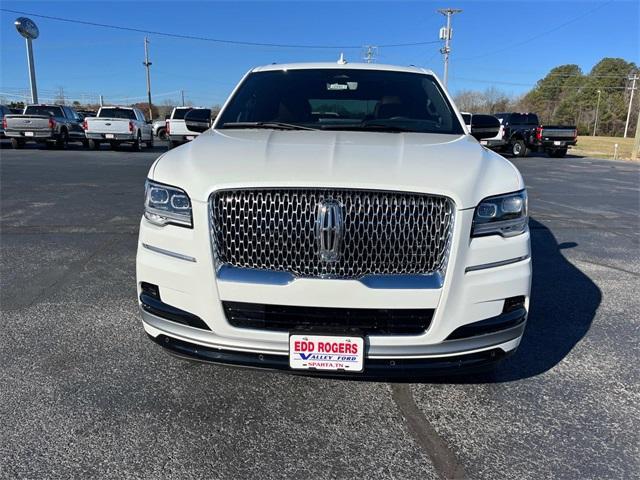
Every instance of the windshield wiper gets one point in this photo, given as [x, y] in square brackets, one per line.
[276, 125]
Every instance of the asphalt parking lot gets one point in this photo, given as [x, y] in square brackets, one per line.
[83, 393]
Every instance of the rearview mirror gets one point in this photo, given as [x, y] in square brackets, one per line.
[198, 120]
[484, 126]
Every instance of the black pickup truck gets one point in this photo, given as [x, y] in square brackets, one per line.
[523, 133]
[44, 124]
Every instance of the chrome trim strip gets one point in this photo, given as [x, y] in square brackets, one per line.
[444, 349]
[496, 264]
[169, 253]
[430, 282]
[227, 273]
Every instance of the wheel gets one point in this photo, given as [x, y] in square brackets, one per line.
[137, 145]
[63, 141]
[162, 133]
[557, 152]
[16, 144]
[173, 144]
[150, 142]
[94, 145]
[85, 143]
[519, 149]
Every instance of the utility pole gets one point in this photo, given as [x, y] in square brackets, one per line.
[595, 123]
[182, 93]
[633, 89]
[445, 34]
[147, 64]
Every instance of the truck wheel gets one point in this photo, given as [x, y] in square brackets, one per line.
[94, 145]
[150, 142]
[63, 141]
[557, 152]
[162, 134]
[16, 144]
[519, 149]
[137, 145]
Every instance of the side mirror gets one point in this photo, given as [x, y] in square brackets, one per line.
[198, 120]
[484, 126]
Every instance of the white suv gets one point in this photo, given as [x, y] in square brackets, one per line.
[338, 219]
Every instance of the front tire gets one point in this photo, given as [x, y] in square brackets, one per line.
[16, 144]
[519, 148]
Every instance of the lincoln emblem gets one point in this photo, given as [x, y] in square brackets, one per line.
[329, 229]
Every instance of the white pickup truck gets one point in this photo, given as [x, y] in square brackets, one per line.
[177, 130]
[118, 125]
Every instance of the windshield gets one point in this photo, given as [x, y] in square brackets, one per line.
[44, 110]
[341, 99]
[126, 113]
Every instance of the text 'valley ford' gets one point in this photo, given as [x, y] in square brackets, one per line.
[338, 219]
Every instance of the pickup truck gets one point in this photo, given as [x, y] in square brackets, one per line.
[118, 125]
[522, 132]
[337, 219]
[44, 124]
[4, 110]
[177, 130]
[159, 128]
[493, 142]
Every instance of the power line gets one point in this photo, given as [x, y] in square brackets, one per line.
[541, 34]
[208, 39]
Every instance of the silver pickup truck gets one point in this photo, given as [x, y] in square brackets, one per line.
[44, 124]
[118, 125]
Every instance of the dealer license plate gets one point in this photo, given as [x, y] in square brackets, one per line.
[28, 134]
[326, 352]
[108, 135]
[483, 142]
[558, 142]
[190, 137]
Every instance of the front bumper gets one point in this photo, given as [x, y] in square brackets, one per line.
[481, 274]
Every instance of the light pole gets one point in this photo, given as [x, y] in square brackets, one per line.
[595, 123]
[29, 30]
[446, 34]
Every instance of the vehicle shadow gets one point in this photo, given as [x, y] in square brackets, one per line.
[563, 304]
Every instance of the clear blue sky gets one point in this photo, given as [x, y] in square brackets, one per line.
[488, 46]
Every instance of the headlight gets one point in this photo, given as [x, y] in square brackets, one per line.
[166, 205]
[504, 215]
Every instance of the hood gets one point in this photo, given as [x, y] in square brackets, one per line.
[455, 166]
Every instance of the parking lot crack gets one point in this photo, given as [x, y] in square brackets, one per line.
[444, 460]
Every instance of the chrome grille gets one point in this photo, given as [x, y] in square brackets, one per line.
[384, 233]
